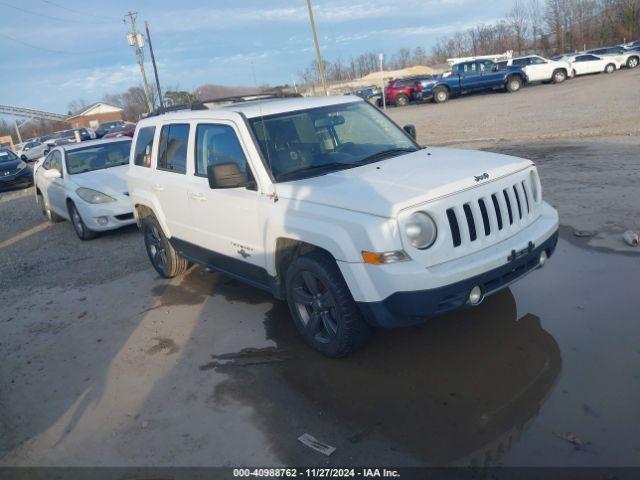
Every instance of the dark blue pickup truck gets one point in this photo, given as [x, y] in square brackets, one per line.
[472, 76]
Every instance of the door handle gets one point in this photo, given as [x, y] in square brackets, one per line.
[198, 196]
[157, 187]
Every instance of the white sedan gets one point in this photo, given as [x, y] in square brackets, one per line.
[540, 69]
[586, 63]
[626, 58]
[85, 183]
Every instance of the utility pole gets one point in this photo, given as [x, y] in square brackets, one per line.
[318, 54]
[15, 123]
[153, 62]
[136, 40]
[384, 99]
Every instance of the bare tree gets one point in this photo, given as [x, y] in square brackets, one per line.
[518, 19]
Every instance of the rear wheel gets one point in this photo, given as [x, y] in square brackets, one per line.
[632, 62]
[610, 68]
[440, 95]
[559, 76]
[163, 256]
[81, 229]
[322, 307]
[402, 101]
[514, 83]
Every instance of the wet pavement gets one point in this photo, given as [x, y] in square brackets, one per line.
[553, 360]
[203, 370]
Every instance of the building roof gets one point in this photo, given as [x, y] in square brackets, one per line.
[98, 107]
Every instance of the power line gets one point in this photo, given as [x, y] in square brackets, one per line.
[43, 15]
[44, 49]
[83, 13]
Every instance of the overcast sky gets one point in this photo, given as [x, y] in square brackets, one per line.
[52, 52]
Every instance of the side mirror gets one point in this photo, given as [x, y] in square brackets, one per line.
[228, 175]
[411, 130]
[52, 173]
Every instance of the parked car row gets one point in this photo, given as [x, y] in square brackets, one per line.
[510, 75]
[35, 148]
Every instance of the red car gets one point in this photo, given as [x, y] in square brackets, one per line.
[401, 92]
[126, 130]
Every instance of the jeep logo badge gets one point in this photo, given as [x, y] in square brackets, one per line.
[484, 176]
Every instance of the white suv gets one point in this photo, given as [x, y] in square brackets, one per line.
[539, 69]
[326, 203]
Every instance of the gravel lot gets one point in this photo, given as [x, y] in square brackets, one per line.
[105, 363]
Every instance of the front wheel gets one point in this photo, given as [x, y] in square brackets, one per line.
[514, 84]
[440, 95]
[163, 256]
[322, 307]
[632, 62]
[559, 76]
[610, 68]
[82, 231]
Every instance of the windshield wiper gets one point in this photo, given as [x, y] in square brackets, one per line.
[330, 167]
[384, 154]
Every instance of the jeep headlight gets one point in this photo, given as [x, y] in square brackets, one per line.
[93, 196]
[421, 230]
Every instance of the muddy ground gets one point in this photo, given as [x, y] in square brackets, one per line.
[105, 363]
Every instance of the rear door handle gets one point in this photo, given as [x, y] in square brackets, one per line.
[198, 196]
[157, 187]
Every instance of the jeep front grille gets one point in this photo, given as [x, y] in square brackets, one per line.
[502, 210]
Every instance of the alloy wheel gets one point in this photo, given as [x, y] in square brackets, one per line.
[77, 221]
[155, 246]
[316, 307]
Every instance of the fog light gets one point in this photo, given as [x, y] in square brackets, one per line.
[475, 296]
[543, 258]
[103, 220]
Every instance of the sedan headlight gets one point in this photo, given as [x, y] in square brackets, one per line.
[93, 196]
[421, 230]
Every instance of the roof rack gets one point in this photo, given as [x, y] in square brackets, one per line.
[202, 104]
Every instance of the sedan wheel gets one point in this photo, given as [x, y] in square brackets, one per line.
[559, 76]
[610, 68]
[632, 62]
[78, 224]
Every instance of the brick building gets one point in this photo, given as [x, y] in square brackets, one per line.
[95, 114]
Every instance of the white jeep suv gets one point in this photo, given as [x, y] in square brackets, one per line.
[325, 202]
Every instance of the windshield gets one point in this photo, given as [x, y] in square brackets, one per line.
[312, 142]
[7, 156]
[98, 157]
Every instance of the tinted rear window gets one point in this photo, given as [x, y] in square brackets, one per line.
[172, 151]
[144, 143]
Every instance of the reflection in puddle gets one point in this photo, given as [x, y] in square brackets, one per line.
[459, 390]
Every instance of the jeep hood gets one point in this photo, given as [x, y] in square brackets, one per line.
[384, 188]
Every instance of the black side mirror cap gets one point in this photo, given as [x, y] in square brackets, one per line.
[411, 130]
[228, 175]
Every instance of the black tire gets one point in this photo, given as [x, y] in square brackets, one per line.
[610, 68]
[379, 102]
[24, 158]
[574, 75]
[51, 216]
[83, 232]
[163, 256]
[514, 83]
[559, 76]
[440, 95]
[322, 307]
[402, 100]
[632, 62]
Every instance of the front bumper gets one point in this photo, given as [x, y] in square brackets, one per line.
[117, 214]
[404, 293]
[409, 308]
[23, 178]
